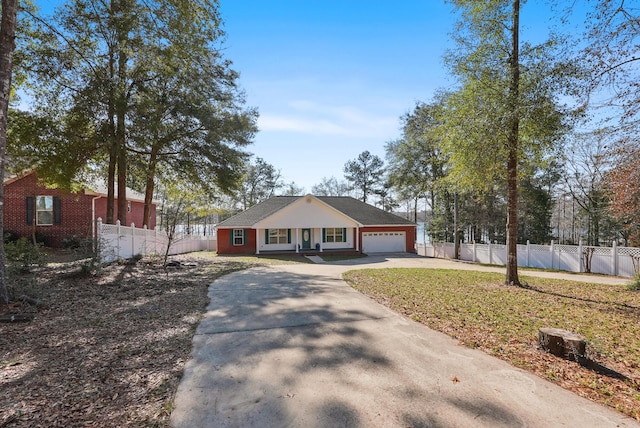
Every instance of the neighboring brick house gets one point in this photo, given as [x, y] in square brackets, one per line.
[55, 214]
[308, 224]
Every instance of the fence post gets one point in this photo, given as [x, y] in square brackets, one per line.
[580, 249]
[474, 251]
[490, 254]
[614, 256]
[144, 242]
[119, 237]
[559, 257]
[96, 244]
[133, 239]
[528, 251]
[551, 252]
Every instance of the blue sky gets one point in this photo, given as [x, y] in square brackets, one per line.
[331, 78]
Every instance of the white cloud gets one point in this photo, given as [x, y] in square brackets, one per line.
[305, 126]
[307, 117]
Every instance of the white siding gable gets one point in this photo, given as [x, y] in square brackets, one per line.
[307, 212]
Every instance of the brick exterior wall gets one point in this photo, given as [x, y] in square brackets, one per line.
[76, 210]
[226, 247]
[134, 216]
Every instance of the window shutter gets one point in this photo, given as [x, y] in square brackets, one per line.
[57, 210]
[344, 234]
[245, 236]
[324, 235]
[231, 236]
[266, 236]
[288, 236]
[31, 204]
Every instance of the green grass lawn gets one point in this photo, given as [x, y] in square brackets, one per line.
[477, 309]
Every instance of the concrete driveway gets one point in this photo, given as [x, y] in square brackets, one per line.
[295, 346]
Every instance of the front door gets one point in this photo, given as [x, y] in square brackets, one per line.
[306, 239]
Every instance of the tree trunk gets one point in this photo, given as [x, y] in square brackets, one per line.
[111, 179]
[512, 159]
[150, 185]
[456, 241]
[7, 46]
[432, 234]
[121, 109]
[122, 181]
[596, 224]
[113, 148]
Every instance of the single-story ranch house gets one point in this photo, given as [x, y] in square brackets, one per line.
[304, 224]
[55, 214]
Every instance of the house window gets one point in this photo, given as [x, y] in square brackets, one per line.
[129, 206]
[238, 236]
[278, 236]
[44, 210]
[334, 234]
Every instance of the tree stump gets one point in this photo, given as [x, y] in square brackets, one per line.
[562, 343]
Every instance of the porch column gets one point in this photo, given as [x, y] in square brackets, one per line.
[297, 240]
[357, 238]
[257, 241]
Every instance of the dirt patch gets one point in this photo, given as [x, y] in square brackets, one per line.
[104, 350]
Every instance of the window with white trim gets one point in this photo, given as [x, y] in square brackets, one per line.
[238, 236]
[334, 234]
[44, 210]
[278, 236]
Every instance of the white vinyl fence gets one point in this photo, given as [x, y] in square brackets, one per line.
[617, 261]
[123, 242]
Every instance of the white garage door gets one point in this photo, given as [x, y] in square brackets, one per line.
[383, 242]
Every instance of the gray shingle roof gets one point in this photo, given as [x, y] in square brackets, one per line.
[258, 212]
[364, 214]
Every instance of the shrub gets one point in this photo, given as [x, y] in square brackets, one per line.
[10, 236]
[92, 264]
[72, 242]
[635, 284]
[23, 255]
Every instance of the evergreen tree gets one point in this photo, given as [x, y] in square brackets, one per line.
[365, 173]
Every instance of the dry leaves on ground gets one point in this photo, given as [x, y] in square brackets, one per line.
[106, 350]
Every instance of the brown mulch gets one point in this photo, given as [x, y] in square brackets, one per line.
[102, 350]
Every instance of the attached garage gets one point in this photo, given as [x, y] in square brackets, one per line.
[384, 242]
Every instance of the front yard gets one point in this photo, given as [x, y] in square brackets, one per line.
[109, 349]
[105, 350]
[503, 321]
